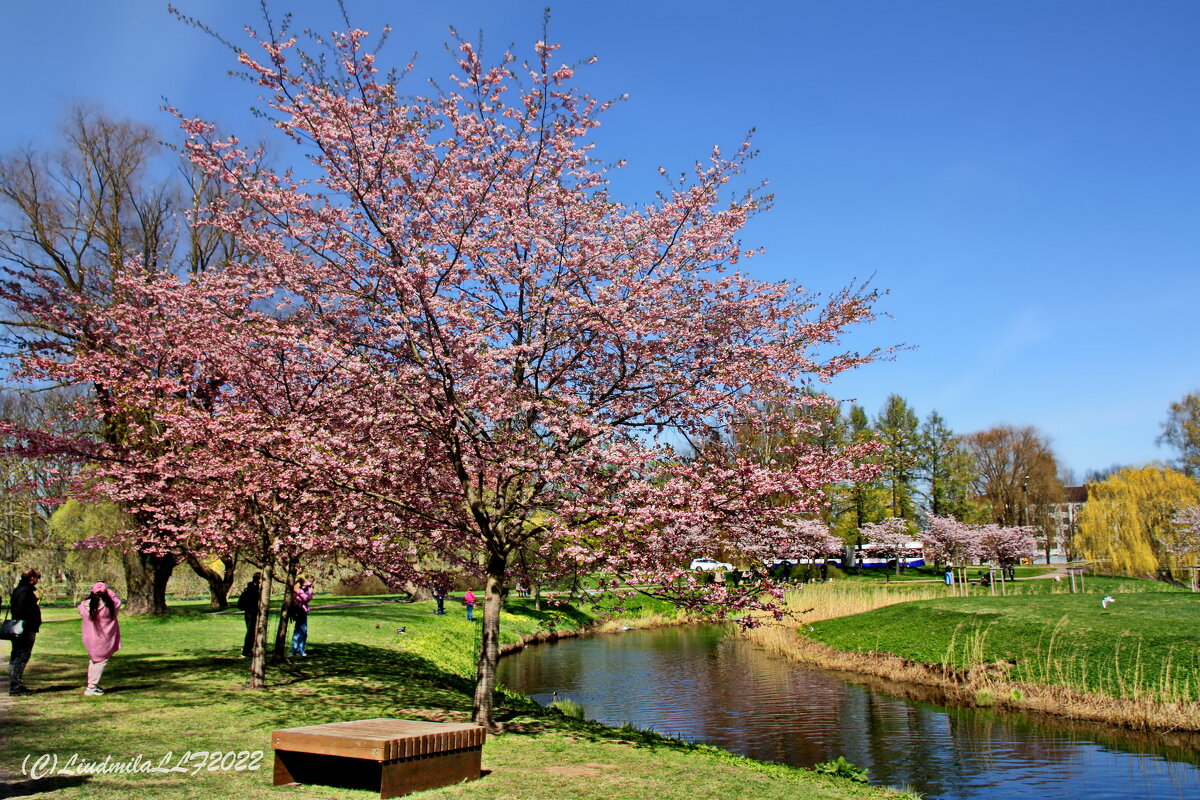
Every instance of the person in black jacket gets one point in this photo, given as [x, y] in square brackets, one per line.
[248, 604]
[23, 605]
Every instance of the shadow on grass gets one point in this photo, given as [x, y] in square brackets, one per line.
[348, 680]
[41, 786]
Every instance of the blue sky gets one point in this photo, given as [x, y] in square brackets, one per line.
[1023, 177]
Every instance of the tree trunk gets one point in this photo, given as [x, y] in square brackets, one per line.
[489, 649]
[219, 583]
[146, 577]
[417, 592]
[285, 613]
[258, 661]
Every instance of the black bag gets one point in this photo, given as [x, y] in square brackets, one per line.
[11, 628]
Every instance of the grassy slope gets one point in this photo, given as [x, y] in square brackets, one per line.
[177, 686]
[1144, 645]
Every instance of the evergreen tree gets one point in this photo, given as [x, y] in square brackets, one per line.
[946, 471]
[897, 429]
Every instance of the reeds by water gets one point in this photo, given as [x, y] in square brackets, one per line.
[1060, 681]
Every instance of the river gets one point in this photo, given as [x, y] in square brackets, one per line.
[708, 684]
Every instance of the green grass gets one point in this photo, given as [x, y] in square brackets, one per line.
[177, 687]
[1146, 645]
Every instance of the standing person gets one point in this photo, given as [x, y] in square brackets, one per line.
[469, 599]
[439, 594]
[300, 601]
[101, 632]
[248, 604]
[23, 605]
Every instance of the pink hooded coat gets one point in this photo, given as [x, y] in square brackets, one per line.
[101, 635]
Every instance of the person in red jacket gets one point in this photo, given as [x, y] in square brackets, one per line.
[469, 599]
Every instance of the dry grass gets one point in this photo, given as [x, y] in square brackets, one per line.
[817, 601]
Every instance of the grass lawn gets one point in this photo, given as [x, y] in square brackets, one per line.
[1145, 645]
[177, 688]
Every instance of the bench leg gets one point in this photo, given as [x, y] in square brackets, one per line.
[429, 772]
[283, 776]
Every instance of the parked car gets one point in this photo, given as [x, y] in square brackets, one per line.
[709, 563]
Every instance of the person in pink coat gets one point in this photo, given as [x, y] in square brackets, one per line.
[101, 632]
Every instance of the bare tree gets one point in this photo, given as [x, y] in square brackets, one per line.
[1017, 477]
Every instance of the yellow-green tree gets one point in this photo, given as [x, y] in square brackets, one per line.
[1127, 521]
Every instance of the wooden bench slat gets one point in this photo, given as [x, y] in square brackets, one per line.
[412, 755]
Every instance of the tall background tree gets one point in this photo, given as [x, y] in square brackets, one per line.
[1181, 431]
[946, 471]
[897, 430]
[864, 500]
[1017, 477]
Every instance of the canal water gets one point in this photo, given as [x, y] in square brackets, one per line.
[708, 684]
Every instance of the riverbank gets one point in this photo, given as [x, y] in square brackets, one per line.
[1132, 664]
[177, 688]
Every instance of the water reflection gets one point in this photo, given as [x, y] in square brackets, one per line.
[699, 683]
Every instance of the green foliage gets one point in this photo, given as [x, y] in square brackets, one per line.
[841, 768]
[568, 708]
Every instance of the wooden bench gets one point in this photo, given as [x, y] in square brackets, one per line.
[395, 756]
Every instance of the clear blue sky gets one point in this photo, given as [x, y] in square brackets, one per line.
[1023, 176]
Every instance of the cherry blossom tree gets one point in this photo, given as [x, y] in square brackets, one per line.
[1187, 527]
[888, 538]
[950, 540]
[448, 336]
[1007, 544]
[1187, 540]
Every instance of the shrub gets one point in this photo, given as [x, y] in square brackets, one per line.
[568, 708]
[985, 698]
[841, 768]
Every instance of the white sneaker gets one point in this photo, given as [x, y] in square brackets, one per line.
[95, 692]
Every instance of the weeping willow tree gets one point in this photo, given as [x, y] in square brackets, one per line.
[1127, 520]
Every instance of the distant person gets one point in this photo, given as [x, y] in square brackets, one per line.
[949, 576]
[439, 594]
[469, 599]
[301, 599]
[23, 606]
[248, 604]
[101, 632]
